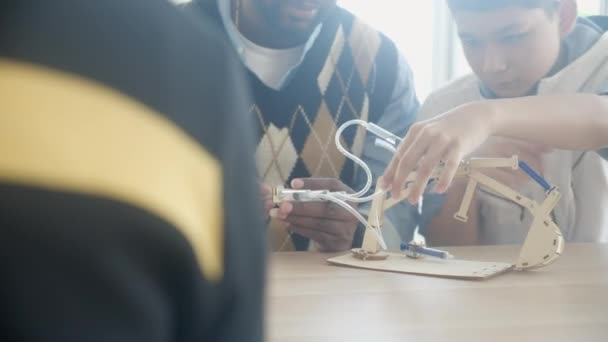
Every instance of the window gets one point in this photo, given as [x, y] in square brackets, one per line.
[410, 25]
[590, 7]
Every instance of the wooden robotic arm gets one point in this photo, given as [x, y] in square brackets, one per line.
[544, 242]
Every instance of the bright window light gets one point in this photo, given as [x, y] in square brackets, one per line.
[410, 25]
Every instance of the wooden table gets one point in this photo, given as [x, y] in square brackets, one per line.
[310, 300]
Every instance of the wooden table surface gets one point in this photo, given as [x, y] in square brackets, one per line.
[309, 300]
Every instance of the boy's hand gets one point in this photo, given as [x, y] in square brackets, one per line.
[326, 223]
[448, 138]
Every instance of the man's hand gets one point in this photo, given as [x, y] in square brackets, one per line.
[326, 223]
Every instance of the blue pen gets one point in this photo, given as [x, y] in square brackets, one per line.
[415, 251]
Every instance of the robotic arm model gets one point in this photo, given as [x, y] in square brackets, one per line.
[542, 246]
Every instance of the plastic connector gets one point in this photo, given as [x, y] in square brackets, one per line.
[281, 194]
[383, 133]
[382, 143]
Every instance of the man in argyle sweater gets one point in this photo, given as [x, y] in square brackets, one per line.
[313, 66]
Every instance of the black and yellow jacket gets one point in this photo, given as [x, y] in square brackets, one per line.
[127, 194]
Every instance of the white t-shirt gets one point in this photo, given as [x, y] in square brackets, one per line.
[270, 65]
[274, 67]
